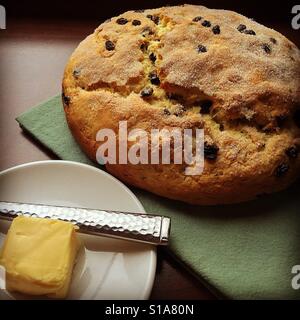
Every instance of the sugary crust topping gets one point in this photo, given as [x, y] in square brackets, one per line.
[252, 77]
[191, 67]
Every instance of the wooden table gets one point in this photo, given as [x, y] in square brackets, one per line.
[33, 54]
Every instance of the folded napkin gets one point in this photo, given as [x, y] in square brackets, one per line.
[243, 251]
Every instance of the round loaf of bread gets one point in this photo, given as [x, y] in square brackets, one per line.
[192, 67]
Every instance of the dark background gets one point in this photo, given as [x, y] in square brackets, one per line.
[273, 11]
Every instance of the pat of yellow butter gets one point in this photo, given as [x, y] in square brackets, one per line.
[38, 256]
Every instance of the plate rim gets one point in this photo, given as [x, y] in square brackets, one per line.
[153, 252]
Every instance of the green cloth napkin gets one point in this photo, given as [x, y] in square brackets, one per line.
[243, 251]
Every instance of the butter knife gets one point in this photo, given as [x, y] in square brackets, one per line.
[141, 227]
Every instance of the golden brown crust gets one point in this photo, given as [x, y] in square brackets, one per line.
[252, 82]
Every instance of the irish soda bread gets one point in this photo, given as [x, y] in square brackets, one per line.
[192, 67]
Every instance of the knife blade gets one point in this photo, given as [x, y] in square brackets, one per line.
[140, 227]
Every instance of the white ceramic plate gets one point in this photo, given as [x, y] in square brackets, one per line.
[106, 268]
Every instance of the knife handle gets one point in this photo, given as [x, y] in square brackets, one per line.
[141, 227]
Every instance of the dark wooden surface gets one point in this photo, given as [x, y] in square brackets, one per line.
[33, 53]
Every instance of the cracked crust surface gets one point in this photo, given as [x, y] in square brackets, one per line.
[212, 69]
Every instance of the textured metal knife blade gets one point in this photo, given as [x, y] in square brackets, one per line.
[153, 229]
